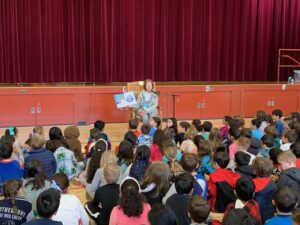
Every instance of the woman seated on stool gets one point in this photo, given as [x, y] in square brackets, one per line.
[147, 101]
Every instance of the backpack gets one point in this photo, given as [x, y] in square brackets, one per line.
[225, 195]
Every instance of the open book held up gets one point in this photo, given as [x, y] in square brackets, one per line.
[126, 99]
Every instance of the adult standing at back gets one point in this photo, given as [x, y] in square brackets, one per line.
[147, 101]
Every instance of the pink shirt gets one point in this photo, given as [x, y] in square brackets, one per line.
[224, 131]
[117, 217]
[232, 151]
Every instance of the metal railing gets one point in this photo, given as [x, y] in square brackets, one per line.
[284, 53]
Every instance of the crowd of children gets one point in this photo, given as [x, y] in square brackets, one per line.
[185, 173]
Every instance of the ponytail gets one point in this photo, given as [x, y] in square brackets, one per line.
[11, 188]
[170, 151]
[13, 203]
[176, 169]
[35, 170]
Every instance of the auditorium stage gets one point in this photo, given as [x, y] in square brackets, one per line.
[83, 103]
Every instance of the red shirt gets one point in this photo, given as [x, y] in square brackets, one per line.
[220, 175]
[87, 148]
[137, 133]
[251, 207]
[155, 153]
[260, 183]
[298, 163]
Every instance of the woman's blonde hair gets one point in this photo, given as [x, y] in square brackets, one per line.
[108, 157]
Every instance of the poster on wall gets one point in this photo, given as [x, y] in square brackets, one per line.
[126, 99]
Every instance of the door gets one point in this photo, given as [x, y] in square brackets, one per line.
[187, 106]
[268, 101]
[287, 101]
[215, 104]
[54, 109]
[17, 110]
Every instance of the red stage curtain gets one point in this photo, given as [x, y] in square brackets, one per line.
[126, 40]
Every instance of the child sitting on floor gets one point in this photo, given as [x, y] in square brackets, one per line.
[156, 148]
[267, 144]
[67, 163]
[133, 126]
[288, 138]
[274, 153]
[188, 144]
[155, 124]
[47, 205]
[265, 188]
[244, 191]
[189, 163]
[140, 164]
[100, 124]
[221, 180]
[206, 129]
[94, 136]
[276, 116]
[290, 175]
[171, 153]
[9, 169]
[234, 134]
[262, 117]
[205, 151]
[106, 196]
[286, 201]
[242, 145]
[182, 128]
[36, 182]
[256, 132]
[13, 132]
[38, 152]
[243, 168]
[272, 131]
[225, 129]
[98, 178]
[70, 210]
[14, 209]
[184, 185]
[199, 210]
[145, 138]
